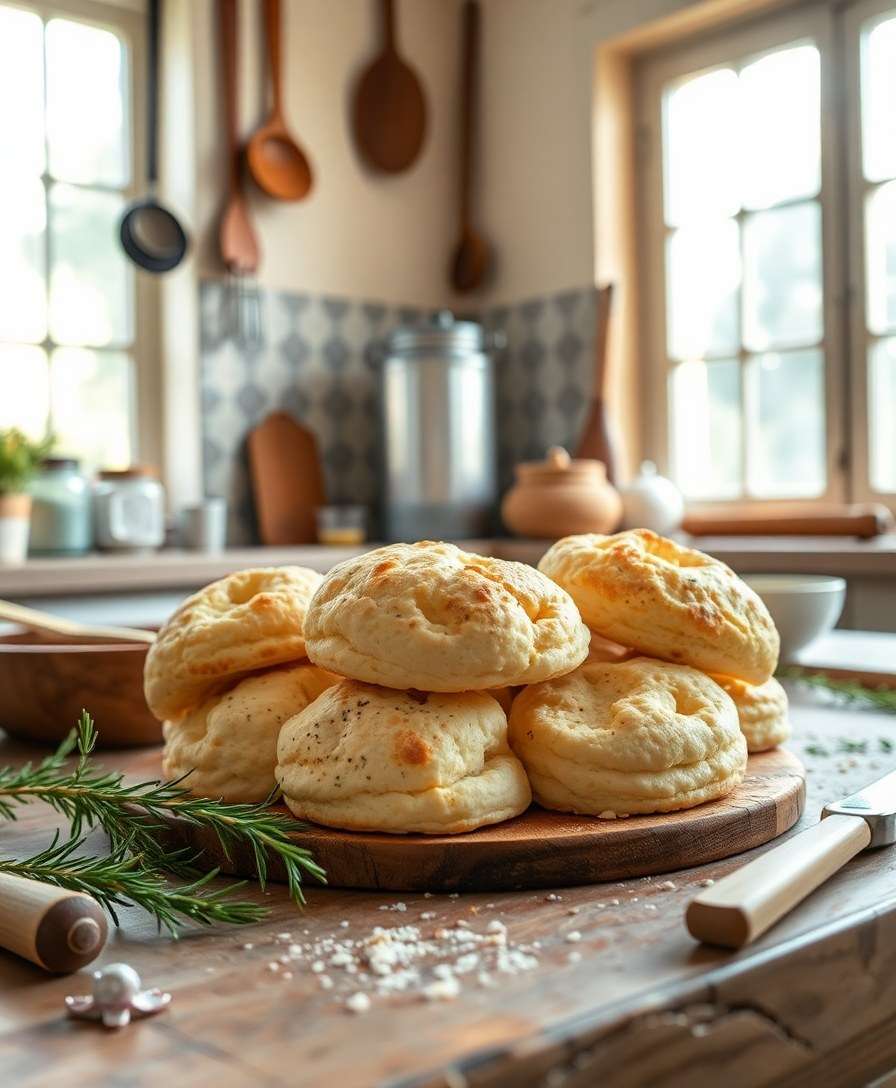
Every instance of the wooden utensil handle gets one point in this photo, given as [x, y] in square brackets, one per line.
[468, 108]
[388, 17]
[272, 29]
[56, 625]
[227, 15]
[57, 929]
[745, 904]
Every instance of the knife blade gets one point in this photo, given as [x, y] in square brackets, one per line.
[747, 902]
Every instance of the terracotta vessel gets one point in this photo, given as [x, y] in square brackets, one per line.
[559, 496]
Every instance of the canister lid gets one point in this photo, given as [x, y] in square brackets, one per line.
[441, 333]
[132, 472]
[52, 464]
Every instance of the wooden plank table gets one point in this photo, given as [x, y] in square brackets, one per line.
[634, 1002]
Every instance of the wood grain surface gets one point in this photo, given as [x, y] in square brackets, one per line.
[539, 849]
[634, 1002]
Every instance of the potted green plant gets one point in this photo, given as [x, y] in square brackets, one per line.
[19, 460]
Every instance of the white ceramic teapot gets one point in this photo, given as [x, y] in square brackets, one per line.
[650, 501]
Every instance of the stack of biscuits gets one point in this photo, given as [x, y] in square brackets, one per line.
[225, 672]
[413, 738]
[422, 688]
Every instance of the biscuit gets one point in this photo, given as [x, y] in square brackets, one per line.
[667, 601]
[227, 747]
[762, 710]
[432, 617]
[368, 758]
[630, 737]
[249, 620]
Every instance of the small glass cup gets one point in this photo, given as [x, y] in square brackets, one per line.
[341, 525]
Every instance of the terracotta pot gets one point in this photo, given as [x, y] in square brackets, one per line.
[15, 519]
[559, 497]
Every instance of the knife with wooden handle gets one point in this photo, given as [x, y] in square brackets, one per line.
[742, 906]
[57, 929]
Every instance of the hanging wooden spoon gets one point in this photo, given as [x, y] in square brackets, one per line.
[277, 163]
[471, 258]
[389, 113]
[239, 246]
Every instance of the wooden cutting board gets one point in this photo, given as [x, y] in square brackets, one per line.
[538, 849]
[287, 480]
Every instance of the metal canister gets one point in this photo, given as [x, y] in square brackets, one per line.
[439, 467]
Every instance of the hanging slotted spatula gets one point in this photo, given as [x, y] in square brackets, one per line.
[748, 902]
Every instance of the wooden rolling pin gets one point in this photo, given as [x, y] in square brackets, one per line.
[45, 623]
[57, 929]
[865, 521]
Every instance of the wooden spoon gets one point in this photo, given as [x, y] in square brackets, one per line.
[239, 246]
[471, 258]
[276, 161]
[389, 113]
[46, 623]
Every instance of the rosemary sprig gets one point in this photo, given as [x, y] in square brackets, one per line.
[133, 817]
[849, 690]
[120, 880]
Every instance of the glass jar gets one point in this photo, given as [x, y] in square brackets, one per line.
[129, 510]
[60, 509]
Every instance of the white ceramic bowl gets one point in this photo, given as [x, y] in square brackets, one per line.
[803, 606]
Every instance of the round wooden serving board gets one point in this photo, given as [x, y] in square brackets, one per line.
[542, 849]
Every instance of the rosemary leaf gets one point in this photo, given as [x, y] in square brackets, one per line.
[120, 880]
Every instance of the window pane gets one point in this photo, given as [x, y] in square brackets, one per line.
[90, 280]
[781, 127]
[703, 273]
[706, 429]
[23, 291]
[701, 145]
[91, 398]
[782, 277]
[86, 104]
[787, 426]
[24, 389]
[878, 96]
[880, 233]
[21, 91]
[882, 413]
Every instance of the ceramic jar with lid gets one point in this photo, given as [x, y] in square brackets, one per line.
[129, 510]
[559, 497]
[61, 521]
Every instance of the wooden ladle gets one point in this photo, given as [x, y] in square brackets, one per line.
[238, 244]
[471, 257]
[276, 162]
[389, 111]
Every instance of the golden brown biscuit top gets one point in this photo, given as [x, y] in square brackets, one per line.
[361, 738]
[632, 716]
[432, 616]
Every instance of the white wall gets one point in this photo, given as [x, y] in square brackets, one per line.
[358, 234]
[538, 103]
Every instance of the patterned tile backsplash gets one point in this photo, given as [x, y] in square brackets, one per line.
[312, 356]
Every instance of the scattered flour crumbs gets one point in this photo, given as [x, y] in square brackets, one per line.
[402, 959]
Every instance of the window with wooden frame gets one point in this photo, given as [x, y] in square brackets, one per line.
[74, 318]
[767, 245]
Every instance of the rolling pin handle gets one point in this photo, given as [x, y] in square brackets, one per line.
[57, 929]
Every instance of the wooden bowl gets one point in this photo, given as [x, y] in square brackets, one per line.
[45, 683]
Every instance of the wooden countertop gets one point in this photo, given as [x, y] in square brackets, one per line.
[172, 569]
[634, 1003]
